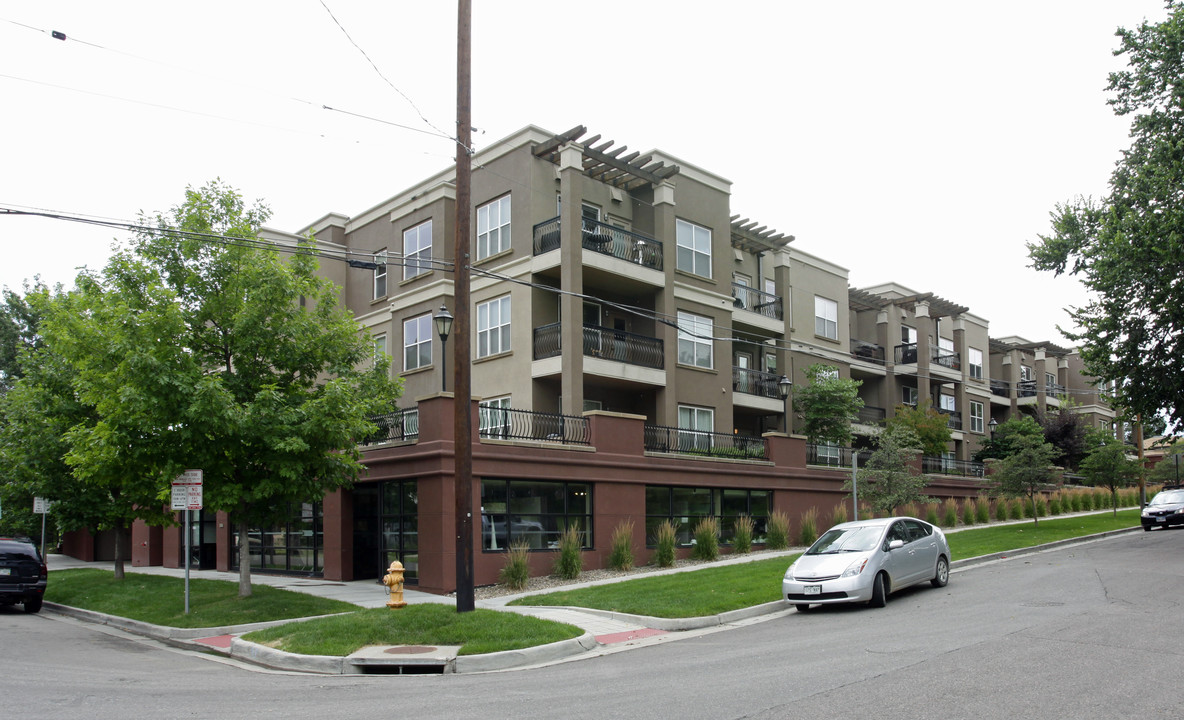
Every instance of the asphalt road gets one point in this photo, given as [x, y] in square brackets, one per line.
[1089, 631]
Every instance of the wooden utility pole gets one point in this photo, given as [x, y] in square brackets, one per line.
[462, 377]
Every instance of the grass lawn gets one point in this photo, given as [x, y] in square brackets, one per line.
[1001, 538]
[160, 599]
[479, 631]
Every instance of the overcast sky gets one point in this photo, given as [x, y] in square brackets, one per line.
[918, 142]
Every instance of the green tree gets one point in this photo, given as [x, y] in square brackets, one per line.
[828, 405]
[1169, 470]
[1009, 437]
[1128, 247]
[19, 323]
[1108, 466]
[1027, 470]
[889, 479]
[931, 427]
[1066, 430]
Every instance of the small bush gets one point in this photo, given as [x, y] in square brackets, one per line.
[908, 510]
[706, 539]
[777, 531]
[1075, 500]
[949, 511]
[1054, 504]
[1015, 509]
[809, 532]
[1001, 510]
[1087, 500]
[742, 535]
[982, 513]
[931, 514]
[1041, 506]
[1101, 500]
[570, 560]
[667, 535]
[1026, 508]
[620, 556]
[838, 516]
[969, 512]
[516, 572]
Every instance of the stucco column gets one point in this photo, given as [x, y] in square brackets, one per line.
[890, 393]
[664, 230]
[571, 278]
[924, 333]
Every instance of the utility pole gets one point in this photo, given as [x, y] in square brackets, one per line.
[462, 378]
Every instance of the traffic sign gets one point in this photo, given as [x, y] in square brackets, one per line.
[41, 506]
[187, 491]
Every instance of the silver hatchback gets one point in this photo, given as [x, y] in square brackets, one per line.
[866, 560]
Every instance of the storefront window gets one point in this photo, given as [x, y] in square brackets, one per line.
[685, 507]
[533, 512]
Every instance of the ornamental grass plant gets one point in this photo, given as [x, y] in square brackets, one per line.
[809, 530]
[706, 534]
[570, 560]
[620, 556]
[666, 536]
[777, 531]
[742, 535]
[516, 572]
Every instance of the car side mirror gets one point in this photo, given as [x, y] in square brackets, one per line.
[895, 544]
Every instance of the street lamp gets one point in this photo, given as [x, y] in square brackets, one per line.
[993, 424]
[443, 326]
[783, 387]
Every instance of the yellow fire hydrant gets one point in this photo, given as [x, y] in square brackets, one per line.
[394, 581]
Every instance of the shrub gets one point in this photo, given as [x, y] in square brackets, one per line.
[620, 556]
[706, 539]
[907, 510]
[982, 513]
[1087, 500]
[1016, 509]
[516, 572]
[931, 514]
[777, 531]
[949, 510]
[742, 535]
[1101, 500]
[839, 515]
[1001, 510]
[1041, 509]
[570, 560]
[667, 535]
[969, 512]
[1026, 509]
[809, 532]
[1054, 504]
[1075, 499]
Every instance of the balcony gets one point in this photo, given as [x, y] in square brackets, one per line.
[869, 415]
[946, 359]
[870, 352]
[1026, 388]
[1054, 389]
[604, 239]
[906, 354]
[1001, 388]
[835, 456]
[953, 418]
[510, 424]
[755, 382]
[602, 342]
[947, 466]
[398, 426]
[659, 438]
[757, 301]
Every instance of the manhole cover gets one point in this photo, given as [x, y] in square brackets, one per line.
[409, 650]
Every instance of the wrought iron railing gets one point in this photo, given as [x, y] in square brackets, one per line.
[393, 427]
[869, 415]
[602, 342]
[510, 424]
[758, 301]
[604, 239]
[867, 351]
[547, 341]
[834, 456]
[1054, 388]
[906, 354]
[931, 465]
[756, 382]
[947, 359]
[659, 438]
[1002, 388]
[1026, 388]
[953, 418]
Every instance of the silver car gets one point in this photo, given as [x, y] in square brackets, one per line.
[864, 561]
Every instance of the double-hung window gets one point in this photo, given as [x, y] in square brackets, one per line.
[495, 417]
[976, 363]
[417, 250]
[690, 420]
[826, 318]
[694, 340]
[493, 327]
[380, 275]
[493, 227]
[694, 248]
[976, 416]
[417, 342]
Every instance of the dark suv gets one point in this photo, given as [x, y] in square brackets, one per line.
[23, 574]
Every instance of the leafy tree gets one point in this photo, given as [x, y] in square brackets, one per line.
[1009, 437]
[1128, 247]
[1065, 430]
[828, 405]
[889, 479]
[931, 427]
[18, 331]
[1107, 466]
[1168, 471]
[1027, 470]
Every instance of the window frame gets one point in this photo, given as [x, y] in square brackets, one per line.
[758, 505]
[486, 331]
[824, 326]
[417, 262]
[487, 413]
[421, 321]
[690, 257]
[975, 369]
[486, 231]
[691, 333]
[380, 277]
[976, 419]
[544, 538]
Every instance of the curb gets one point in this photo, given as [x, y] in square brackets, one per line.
[165, 632]
[681, 624]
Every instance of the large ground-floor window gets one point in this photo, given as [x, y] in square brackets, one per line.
[386, 528]
[294, 545]
[686, 506]
[533, 512]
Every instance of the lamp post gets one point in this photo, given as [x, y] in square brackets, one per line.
[993, 424]
[443, 327]
[784, 385]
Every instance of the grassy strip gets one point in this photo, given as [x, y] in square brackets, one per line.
[160, 600]
[479, 631]
[1001, 538]
[686, 594]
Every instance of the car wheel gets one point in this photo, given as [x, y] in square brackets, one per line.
[879, 592]
[941, 576]
[33, 606]
[1146, 528]
[802, 607]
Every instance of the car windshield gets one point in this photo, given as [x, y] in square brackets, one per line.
[1174, 497]
[852, 539]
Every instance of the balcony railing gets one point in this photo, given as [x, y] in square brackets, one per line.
[946, 359]
[953, 418]
[869, 415]
[1001, 388]
[394, 427]
[758, 301]
[906, 354]
[834, 456]
[756, 382]
[604, 239]
[659, 438]
[868, 351]
[945, 466]
[1026, 388]
[511, 424]
[1054, 388]
[604, 343]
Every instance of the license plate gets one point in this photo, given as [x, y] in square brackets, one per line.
[1160, 519]
[813, 589]
[5, 571]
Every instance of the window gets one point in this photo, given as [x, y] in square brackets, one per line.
[1025, 373]
[493, 227]
[827, 454]
[379, 345]
[976, 363]
[694, 248]
[493, 327]
[826, 318]
[685, 506]
[694, 340]
[976, 416]
[1050, 383]
[946, 402]
[535, 513]
[380, 276]
[494, 418]
[945, 345]
[417, 342]
[909, 395]
[698, 419]
[417, 250]
[908, 335]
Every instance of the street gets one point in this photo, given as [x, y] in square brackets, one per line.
[1080, 632]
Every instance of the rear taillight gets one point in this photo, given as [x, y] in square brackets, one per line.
[44, 571]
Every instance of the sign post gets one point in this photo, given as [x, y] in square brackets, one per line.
[41, 507]
[187, 496]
